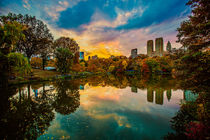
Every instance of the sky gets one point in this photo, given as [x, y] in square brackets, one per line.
[106, 27]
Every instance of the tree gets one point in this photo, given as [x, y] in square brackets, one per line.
[68, 43]
[18, 63]
[11, 33]
[63, 60]
[37, 36]
[195, 32]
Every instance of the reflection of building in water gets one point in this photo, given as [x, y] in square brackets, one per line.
[134, 89]
[190, 96]
[81, 87]
[150, 94]
[168, 94]
[159, 96]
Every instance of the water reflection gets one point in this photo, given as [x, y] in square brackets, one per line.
[27, 114]
[102, 107]
[67, 98]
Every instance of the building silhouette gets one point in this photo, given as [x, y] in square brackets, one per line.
[134, 53]
[159, 46]
[168, 46]
[95, 57]
[150, 48]
[81, 55]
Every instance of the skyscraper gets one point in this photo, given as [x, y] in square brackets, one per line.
[168, 47]
[133, 53]
[159, 46]
[81, 55]
[149, 47]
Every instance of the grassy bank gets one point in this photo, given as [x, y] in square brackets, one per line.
[45, 75]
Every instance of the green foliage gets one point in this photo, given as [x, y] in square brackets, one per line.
[195, 32]
[68, 43]
[11, 33]
[153, 65]
[63, 60]
[18, 63]
[38, 37]
[195, 69]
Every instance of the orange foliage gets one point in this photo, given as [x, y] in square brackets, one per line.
[36, 62]
[51, 63]
[145, 68]
[78, 68]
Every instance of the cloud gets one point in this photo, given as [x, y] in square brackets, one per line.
[107, 27]
[156, 12]
[26, 4]
[54, 12]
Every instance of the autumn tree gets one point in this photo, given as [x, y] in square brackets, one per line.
[68, 43]
[37, 36]
[194, 33]
[11, 33]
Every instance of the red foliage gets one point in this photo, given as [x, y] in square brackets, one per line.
[196, 131]
[145, 68]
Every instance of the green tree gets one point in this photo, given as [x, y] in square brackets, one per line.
[64, 60]
[38, 37]
[195, 32]
[68, 43]
[11, 33]
[18, 63]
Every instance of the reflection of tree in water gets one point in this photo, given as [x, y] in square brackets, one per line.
[67, 99]
[26, 118]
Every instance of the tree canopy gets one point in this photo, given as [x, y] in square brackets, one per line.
[11, 32]
[194, 33]
[37, 35]
[63, 60]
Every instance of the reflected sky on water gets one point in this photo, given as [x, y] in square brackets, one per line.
[88, 109]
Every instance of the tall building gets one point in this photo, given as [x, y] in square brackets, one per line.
[133, 53]
[95, 57]
[81, 55]
[168, 47]
[149, 48]
[159, 46]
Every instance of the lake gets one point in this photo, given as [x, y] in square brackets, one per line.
[99, 107]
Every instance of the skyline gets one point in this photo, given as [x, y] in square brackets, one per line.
[106, 27]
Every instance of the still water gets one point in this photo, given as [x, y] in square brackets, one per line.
[93, 108]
